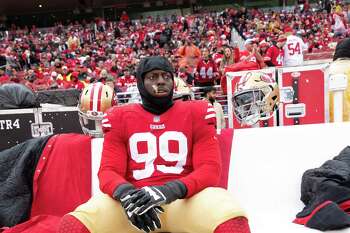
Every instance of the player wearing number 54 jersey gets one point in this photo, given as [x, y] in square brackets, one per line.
[160, 164]
[293, 50]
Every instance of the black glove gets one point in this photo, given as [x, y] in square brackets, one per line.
[150, 196]
[147, 222]
[123, 194]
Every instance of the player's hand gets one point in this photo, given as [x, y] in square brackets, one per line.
[147, 222]
[145, 199]
[151, 196]
[124, 193]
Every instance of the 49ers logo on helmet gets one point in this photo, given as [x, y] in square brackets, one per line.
[94, 102]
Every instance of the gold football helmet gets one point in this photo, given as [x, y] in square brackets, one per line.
[255, 98]
[94, 101]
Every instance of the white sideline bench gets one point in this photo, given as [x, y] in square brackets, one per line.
[267, 165]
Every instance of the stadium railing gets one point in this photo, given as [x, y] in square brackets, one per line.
[133, 96]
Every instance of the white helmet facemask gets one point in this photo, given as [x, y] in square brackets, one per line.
[256, 97]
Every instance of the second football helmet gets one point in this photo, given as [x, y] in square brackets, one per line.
[255, 98]
[94, 101]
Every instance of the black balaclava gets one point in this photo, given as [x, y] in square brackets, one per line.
[342, 49]
[155, 105]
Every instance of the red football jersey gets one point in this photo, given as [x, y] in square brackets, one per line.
[275, 55]
[126, 81]
[146, 149]
[206, 70]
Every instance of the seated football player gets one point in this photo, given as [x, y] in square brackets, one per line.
[159, 168]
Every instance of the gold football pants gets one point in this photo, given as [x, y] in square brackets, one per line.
[201, 213]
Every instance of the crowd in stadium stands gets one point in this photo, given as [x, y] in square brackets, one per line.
[198, 46]
[318, 28]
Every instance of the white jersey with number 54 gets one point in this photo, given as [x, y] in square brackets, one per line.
[293, 51]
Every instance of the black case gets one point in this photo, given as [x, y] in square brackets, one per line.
[18, 125]
[15, 126]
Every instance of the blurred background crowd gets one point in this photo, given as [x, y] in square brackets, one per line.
[199, 45]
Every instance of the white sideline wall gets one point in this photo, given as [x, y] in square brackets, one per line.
[267, 165]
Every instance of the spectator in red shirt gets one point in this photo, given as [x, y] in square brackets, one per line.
[124, 17]
[40, 82]
[129, 80]
[207, 71]
[275, 53]
[126, 80]
[251, 54]
[75, 82]
[263, 47]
